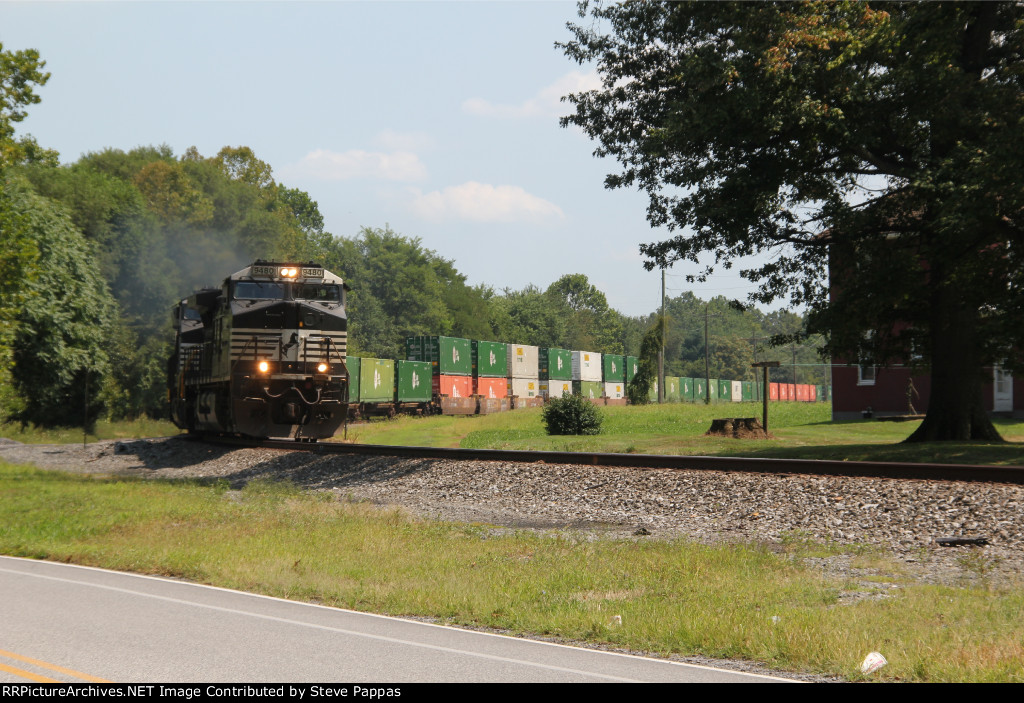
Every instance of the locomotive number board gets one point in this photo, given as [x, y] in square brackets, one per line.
[278, 271]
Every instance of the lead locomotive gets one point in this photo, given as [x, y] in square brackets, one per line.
[263, 355]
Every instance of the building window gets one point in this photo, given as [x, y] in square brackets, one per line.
[866, 370]
[866, 375]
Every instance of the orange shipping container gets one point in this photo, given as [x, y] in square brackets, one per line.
[492, 387]
[773, 391]
[454, 386]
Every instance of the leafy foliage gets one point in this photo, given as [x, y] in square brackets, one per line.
[884, 134]
[20, 71]
[571, 415]
[59, 348]
[639, 388]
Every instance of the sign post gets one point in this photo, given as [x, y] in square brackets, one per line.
[765, 365]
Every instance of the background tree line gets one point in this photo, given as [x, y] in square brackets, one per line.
[94, 253]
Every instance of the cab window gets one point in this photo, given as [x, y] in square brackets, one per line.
[259, 290]
[318, 293]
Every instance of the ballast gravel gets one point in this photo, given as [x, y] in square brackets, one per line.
[903, 517]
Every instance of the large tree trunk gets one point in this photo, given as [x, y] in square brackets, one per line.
[956, 409]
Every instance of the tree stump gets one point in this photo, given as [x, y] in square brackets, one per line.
[737, 427]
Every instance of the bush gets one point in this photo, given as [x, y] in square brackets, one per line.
[572, 414]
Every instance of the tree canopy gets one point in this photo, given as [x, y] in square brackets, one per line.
[885, 135]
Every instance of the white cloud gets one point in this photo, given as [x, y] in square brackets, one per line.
[545, 103]
[403, 141]
[356, 163]
[481, 202]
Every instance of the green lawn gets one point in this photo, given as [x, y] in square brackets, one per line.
[799, 430]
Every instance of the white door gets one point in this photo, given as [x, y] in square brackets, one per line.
[1002, 388]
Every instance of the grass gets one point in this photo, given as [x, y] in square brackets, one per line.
[799, 430]
[741, 601]
[105, 429]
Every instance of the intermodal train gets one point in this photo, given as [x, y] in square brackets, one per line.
[263, 354]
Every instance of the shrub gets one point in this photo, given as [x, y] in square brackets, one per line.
[572, 414]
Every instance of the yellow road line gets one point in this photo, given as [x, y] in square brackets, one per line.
[27, 674]
[51, 667]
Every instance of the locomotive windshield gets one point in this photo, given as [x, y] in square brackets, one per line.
[259, 290]
[319, 293]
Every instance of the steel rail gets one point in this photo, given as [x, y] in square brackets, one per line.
[803, 467]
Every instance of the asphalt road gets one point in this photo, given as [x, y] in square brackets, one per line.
[76, 624]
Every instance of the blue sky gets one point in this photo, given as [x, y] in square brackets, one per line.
[439, 119]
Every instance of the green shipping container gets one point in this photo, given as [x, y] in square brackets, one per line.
[700, 389]
[672, 393]
[490, 359]
[724, 389]
[376, 381]
[712, 389]
[451, 356]
[414, 349]
[614, 368]
[652, 395]
[588, 389]
[686, 389]
[413, 382]
[748, 390]
[632, 367]
[352, 364]
[555, 364]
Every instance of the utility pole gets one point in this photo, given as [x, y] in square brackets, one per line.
[85, 408]
[661, 353]
[707, 362]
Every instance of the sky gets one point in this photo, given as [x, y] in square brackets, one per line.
[436, 118]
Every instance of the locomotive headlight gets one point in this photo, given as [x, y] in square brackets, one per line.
[289, 272]
[322, 367]
[263, 367]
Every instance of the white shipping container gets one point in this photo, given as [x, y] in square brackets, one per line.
[586, 366]
[555, 389]
[737, 392]
[524, 387]
[522, 361]
[616, 389]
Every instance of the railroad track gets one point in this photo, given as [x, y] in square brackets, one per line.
[804, 467]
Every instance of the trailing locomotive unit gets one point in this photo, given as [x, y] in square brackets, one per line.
[263, 355]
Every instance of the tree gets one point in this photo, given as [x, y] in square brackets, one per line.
[19, 72]
[888, 136]
[59, 347]
[590, 323]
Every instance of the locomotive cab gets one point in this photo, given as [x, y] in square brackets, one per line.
[273, 352]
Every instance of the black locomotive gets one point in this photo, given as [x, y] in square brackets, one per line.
[263, 355]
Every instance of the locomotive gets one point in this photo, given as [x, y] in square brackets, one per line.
[263, 355]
